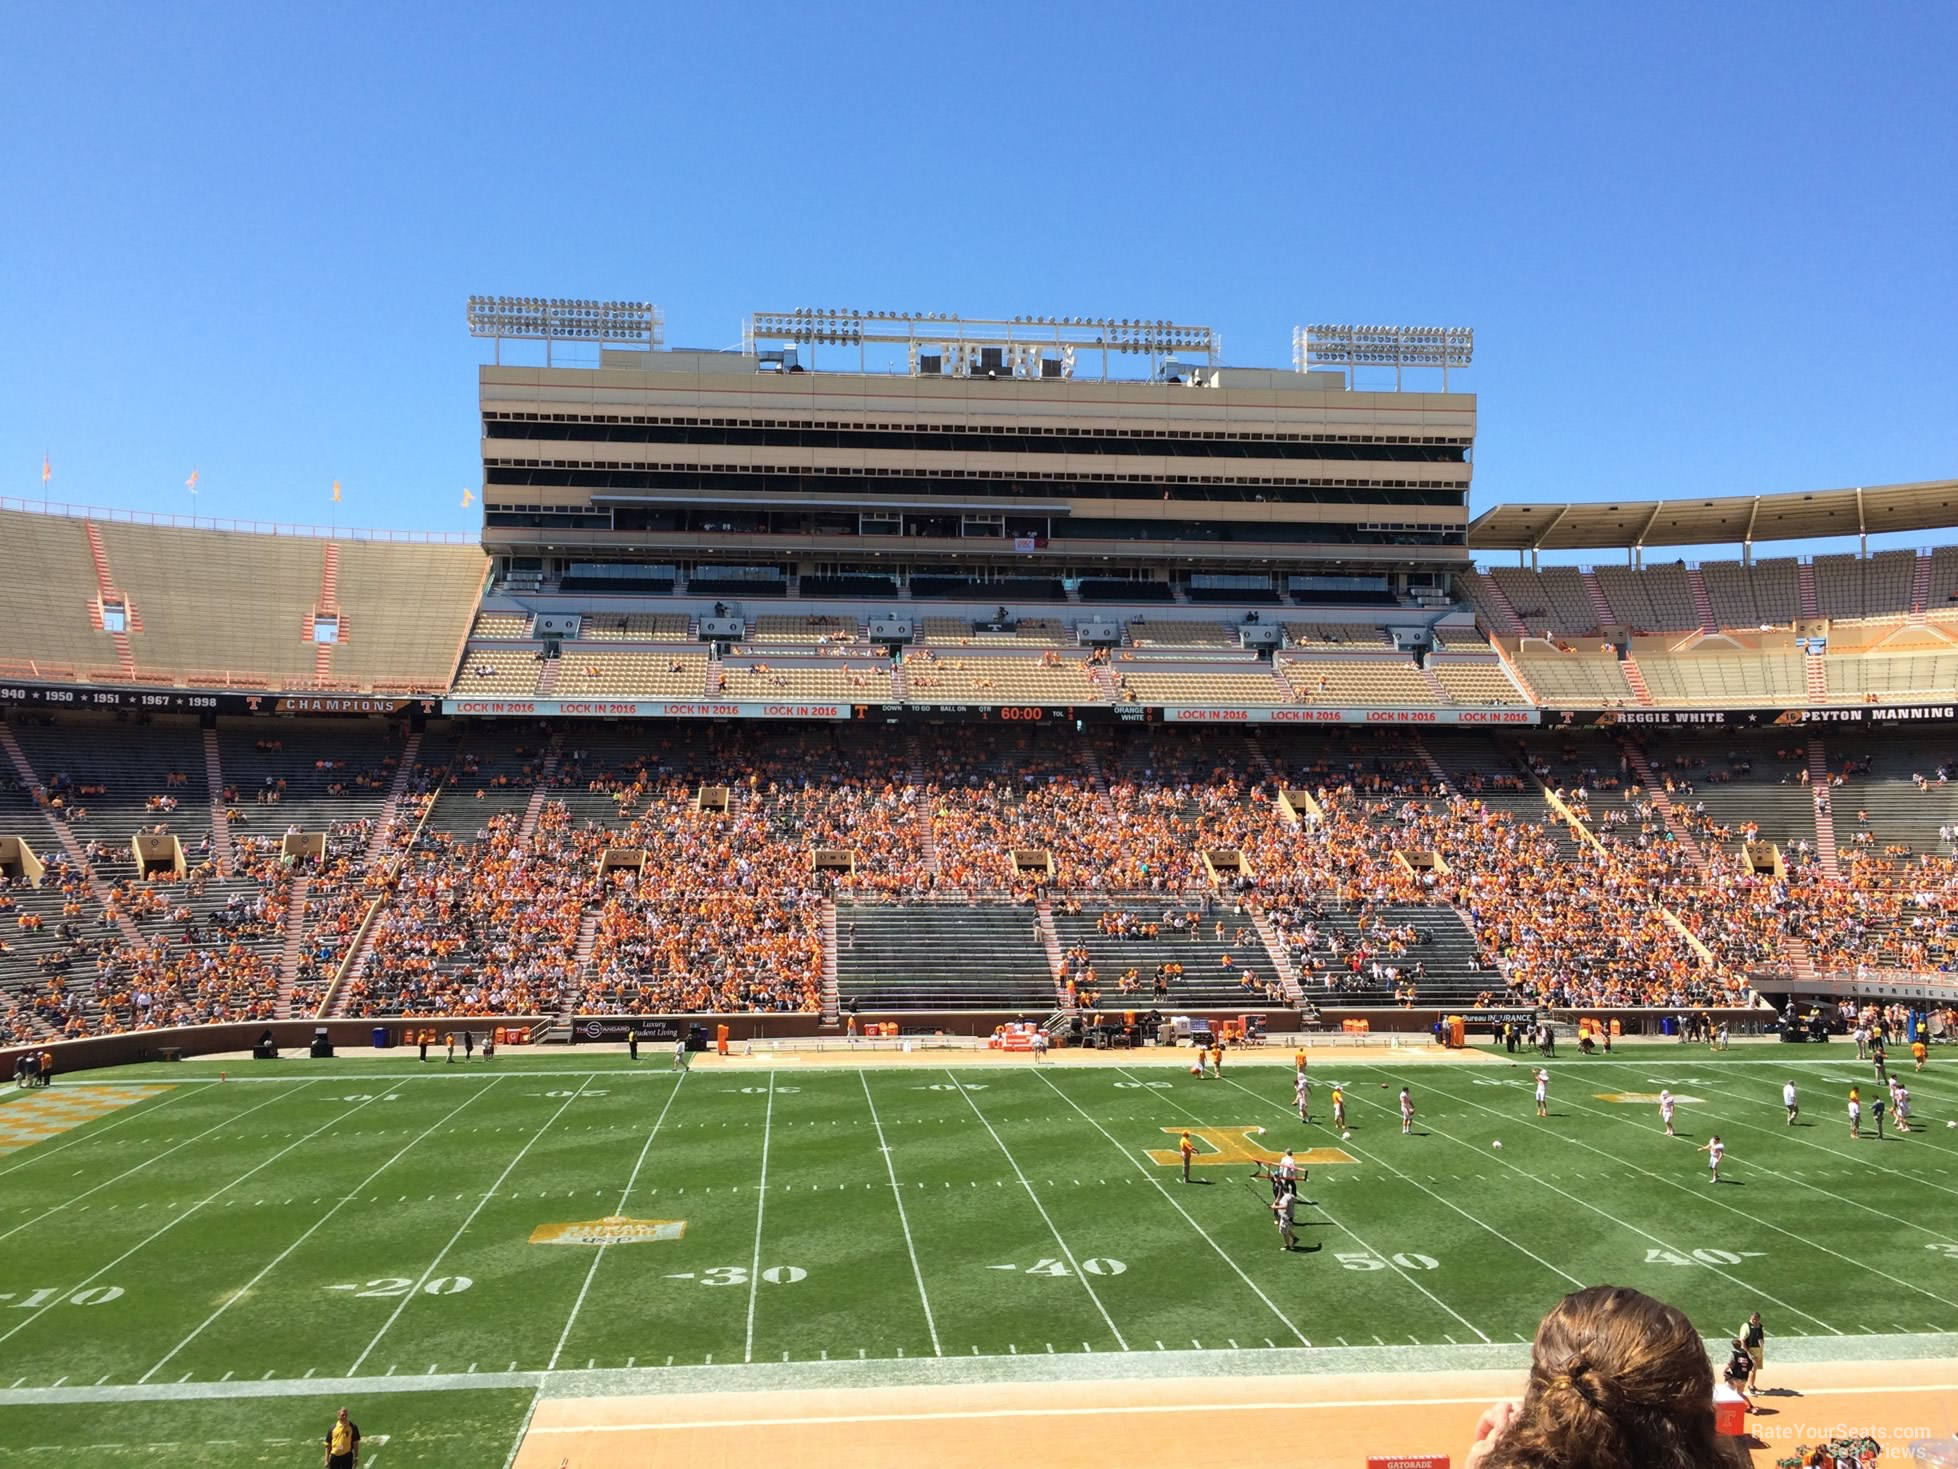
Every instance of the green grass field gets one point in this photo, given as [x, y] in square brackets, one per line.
[217, 1266]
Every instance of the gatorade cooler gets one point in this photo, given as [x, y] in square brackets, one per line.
[1729, 1412]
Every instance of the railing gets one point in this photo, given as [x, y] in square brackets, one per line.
[246, 527]
[34, 670]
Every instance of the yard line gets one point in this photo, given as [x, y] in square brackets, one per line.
[626, 1193]
[1674, 1183]
[761, 1208]
[442, 1254]
[1438, 1198]
[180, 1217]
[134, 1112]
[523, 1428]
[1585, 1203]
[138, 1168]
[1061, 1244]
[287, 1251]
[897, 1193]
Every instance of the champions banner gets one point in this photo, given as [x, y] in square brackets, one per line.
[208, 701]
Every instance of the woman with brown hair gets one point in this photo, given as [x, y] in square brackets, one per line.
[1617, 1381]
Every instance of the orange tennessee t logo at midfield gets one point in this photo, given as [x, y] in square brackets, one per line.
[1218, 1147]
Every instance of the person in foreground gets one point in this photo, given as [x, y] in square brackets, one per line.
[1617, 1381]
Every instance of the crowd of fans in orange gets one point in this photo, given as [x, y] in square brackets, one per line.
[716, 905]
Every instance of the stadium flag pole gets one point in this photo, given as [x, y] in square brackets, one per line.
[333, 523]
[191, 485]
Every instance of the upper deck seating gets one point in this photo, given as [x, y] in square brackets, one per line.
[1356, 681]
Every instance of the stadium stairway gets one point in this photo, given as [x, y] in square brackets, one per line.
[1600, 604]
[106, 592]
[1795, 954]
[1043, 912]
[1091, 768]
[293, 944]
[921, 808]
[390, 814]
[353, 963]
[1281, 962]
[1499, 599]
[1434, 766]
[558, 1029]
[1635, 680]
[1440, 689]
[1920, 589]
[1702, 602]
[1815, 678]
[1656, 792]
[1825, 816]
[220, 822]
[832, 1007]
[534, 807]
[328, 605]
[1261, 765]
[1805, 584]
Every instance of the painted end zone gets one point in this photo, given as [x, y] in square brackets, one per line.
[40, 1115]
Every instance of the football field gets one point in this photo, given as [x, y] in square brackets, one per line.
[218, 1265]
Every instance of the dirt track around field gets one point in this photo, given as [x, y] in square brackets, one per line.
[1215, 1422]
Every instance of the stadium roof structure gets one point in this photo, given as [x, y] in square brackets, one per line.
[1804, 515]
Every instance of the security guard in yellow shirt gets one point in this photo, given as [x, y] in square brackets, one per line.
[343, 1443]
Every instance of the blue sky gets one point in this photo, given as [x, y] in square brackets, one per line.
[1706, 249]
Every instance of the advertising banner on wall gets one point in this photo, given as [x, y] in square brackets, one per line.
[1288, 714]
[496, 708]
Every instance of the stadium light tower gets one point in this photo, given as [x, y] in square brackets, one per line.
[557, 319]
[1397, 347]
